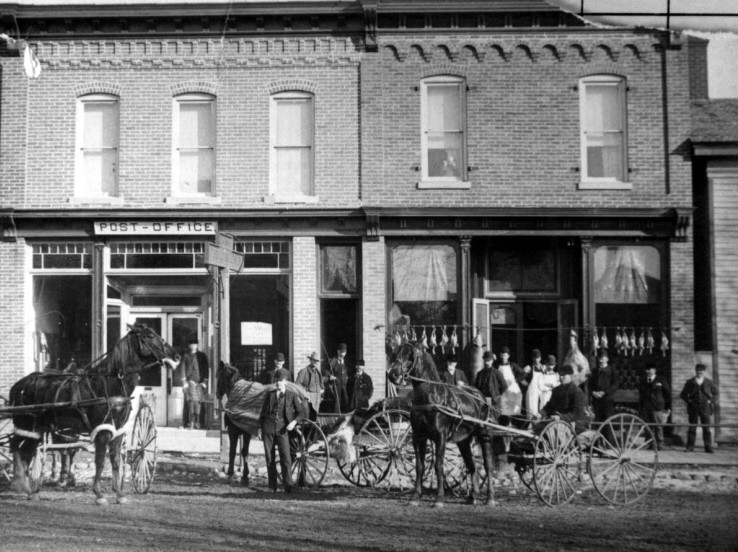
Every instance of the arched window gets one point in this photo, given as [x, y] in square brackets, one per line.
[292, 145]
[443, 129]
[603, 131]
[194, 145]
[97, 146]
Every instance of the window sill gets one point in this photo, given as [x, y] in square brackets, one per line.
[291, 199]
[444, 185]
[99, 200]
[179, 200]
[605, 185]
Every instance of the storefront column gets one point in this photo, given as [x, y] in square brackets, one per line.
[588, 307]
[98, 301]
[465, 242]
[305, 308]
[221, 341]
[374, 313]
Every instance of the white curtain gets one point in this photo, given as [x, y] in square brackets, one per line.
[621, 274]
[424, 273]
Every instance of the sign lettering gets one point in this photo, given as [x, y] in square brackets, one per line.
[156, 228]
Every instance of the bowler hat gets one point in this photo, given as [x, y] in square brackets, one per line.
[314, 356]
[550, 359]
[192, 341]
[700, 368]
[360, 362]
[488, 355]
[505, 350]
[282, 374]
[451, 357]
[603, 354]
[279, 357]
[536, 353]
[566, 369]
[342, 347]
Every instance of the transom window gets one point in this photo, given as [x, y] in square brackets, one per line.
[603, 131]
[443, 140]
[264, 254]
[292, 139]
[66, 256]
[157, 255]
[194, 144]
[97, 146]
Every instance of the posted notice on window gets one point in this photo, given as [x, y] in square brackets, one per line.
[256, 333]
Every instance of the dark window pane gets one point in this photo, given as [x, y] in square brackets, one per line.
[261, 261]
[339, 269]
[117, 261]
[159, 261]
[62, 261]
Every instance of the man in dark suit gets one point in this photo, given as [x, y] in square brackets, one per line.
[335, 383]
[490, 382]
[361, 387]
[281, 412]
[655, 399]
[603, 384]
[266, 376]
[701, 396]
[567, 402]
[451, 375]
[196, 372]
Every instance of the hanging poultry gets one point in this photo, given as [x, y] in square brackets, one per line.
[577, 360]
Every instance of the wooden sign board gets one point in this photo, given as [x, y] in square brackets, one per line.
[224, 258]
[256, 333]
[224, 240]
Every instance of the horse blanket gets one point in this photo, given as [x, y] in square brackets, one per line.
[246, 400]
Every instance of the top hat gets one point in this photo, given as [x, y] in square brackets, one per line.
[360, 362]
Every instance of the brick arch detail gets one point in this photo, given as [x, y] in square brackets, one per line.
[194, 87]
[97, 87]
[601, 68]
[288, 85]
[436, 69]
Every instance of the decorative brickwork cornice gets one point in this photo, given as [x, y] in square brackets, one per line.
[97, 87]
[602, 68]
[434, 69]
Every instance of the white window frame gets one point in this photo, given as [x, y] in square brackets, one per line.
[607, 182]
[274, 191]
[427, 181]
[176, 103]
[82, 191]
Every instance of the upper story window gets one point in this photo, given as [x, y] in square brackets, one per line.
[97, 146]
[443, 132]
[292, 145]
[194, 145]
[603, 132]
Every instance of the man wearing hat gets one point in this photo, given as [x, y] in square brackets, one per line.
[361, 388]
[490, 382]
[567, 402]
[281, 412]
[267, 374]
[335, 381]
[603, 385]
[451, 375]
[196, 371]
[541, 386]
[655, 399]
[701, 395]
[311, 380]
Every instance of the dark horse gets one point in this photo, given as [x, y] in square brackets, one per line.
[437, 414]
[227, 378]
[94, 401]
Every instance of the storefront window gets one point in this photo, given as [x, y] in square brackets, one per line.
[338, 267]
[522, 270]
[424, 285]
[627, 274]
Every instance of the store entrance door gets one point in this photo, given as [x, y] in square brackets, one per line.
[166, 385]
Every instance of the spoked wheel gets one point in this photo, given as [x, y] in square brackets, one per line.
[6, 459]
[385, 457]
[142, 450]
[309, 453]
[455, 473]
[556, 464]
[623, 459]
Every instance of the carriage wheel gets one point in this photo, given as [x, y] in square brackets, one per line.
[142, 450]
[6, 459]
[456, 475]
[623, 466]
[385, 457]
[556, 464]
[309, 452]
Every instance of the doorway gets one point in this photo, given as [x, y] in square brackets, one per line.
[166, 385]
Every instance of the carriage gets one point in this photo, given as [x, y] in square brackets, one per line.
[63, 412]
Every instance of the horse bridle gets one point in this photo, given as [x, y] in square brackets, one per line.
[405, 373]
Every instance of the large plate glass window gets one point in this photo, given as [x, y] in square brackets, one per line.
[97, 146]
[194, 145]
[340, 312]
[603, 132]
[443, 140]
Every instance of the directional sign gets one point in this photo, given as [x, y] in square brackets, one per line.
[224, 240]
[224, 258]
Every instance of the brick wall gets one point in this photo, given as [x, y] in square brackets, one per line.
[305, 312]
[15, 341]
[374, 304]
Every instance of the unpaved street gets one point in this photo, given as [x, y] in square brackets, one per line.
[205, 513]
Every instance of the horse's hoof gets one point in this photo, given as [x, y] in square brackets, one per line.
[20, 488]
[438, 504]
[492, 503]
[101, 501]
[34, 496]
[122, 500]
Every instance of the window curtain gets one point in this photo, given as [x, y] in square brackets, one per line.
[424, 273]
[627, 274]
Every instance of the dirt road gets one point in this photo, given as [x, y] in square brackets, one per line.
[204, 513]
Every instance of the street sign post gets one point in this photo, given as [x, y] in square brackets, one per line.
[223, 258]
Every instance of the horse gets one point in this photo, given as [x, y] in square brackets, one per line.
[94, 400]
[228, 376]
[437, 413]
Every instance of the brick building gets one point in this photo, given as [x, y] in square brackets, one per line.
[433, 169]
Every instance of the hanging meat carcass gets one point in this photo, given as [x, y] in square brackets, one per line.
[444, 340]
[603, 340]
[473, 355]
[595, 341]
[454, 341]
[650, 343]
[577, 360]
[641, 342]
[664, 342]
[432, 341]
[423, 339]
[618, 341]
[632, 341]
